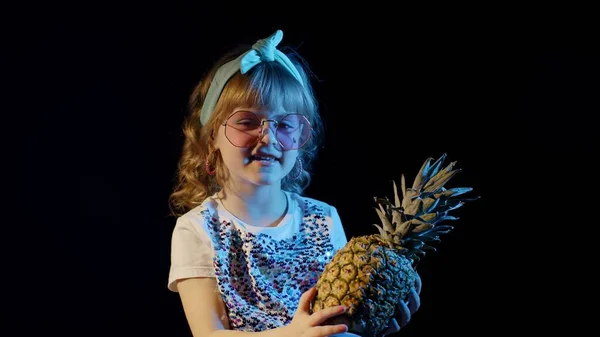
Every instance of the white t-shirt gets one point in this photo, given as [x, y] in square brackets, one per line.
[261, 272]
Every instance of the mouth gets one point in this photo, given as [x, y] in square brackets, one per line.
[263, 158]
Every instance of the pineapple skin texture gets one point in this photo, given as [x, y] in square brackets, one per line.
[369, 278]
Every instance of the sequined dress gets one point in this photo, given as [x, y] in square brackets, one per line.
[261, 272]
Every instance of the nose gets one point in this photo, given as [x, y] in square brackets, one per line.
[267, 131]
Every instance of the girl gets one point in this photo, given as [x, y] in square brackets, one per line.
[247, 247]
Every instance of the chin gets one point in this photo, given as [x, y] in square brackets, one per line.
[265, 179]
[265, 176]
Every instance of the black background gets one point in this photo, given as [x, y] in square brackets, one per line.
[94, 100]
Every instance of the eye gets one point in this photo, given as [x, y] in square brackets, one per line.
[285, 125]
[245, 121]
[248, 122]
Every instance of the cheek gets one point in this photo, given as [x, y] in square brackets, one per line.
[233, 157]
[289, 160]
[225, 145]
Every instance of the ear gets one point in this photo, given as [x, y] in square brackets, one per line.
[212, 142]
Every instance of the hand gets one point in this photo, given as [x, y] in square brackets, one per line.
[306, 325]
[405, 310]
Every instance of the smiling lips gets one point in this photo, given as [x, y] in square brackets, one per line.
[263, 159]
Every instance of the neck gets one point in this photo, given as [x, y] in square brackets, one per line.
[262, 206]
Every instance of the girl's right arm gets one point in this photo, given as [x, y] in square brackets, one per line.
[203, 306]
[205, 312]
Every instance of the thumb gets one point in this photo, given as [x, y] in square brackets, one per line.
[304, 303]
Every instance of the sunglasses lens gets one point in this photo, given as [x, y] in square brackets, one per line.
[293, 131]
[243, 129]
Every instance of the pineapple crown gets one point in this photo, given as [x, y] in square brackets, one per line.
[412, 224]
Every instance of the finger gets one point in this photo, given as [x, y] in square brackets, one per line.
[414, 301]
[392, 327]
[403, 314]
[304, 302]
[321, 316]
[418, 284]
[328, 330]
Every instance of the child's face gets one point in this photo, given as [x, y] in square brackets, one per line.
[262, 162]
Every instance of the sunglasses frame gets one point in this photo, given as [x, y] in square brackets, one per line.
[262, 128]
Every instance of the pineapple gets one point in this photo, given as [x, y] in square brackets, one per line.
[372, 273]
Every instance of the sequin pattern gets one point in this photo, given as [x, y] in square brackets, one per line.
[260, 278]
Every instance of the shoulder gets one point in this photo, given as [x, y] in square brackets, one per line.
[194, 220]
[332, 218]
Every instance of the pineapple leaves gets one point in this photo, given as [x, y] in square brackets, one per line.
[403, 228]
[456, 191]
[422, 227]
[429, 204]
[412, 243]
[381, 231]
[413, 207]
[403, 187]
[428, 217]
[434, 231]
[444, 218]
[412, 222]
[387, 225]
[422, 175]
[450, 205]
[435, 167]
[396, 198]
[440, 179]
[429, 248]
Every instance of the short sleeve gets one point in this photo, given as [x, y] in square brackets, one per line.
[191, 252]
[338, 235]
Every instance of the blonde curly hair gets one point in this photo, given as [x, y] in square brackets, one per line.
[266, 85]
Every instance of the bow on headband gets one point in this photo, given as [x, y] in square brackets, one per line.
[264, 50]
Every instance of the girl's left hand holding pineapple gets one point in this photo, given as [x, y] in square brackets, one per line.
[405, 310]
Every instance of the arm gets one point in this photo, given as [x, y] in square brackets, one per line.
[205, 311]
[206, 316]
[190, 276]
[203, 307]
